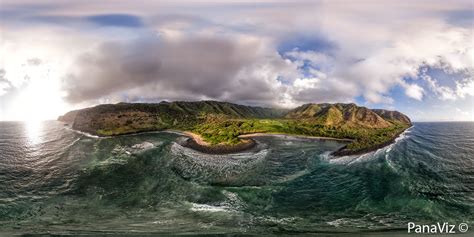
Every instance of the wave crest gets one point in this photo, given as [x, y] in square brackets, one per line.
[222, 168]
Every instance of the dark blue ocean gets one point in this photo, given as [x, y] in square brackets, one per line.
[54, 180]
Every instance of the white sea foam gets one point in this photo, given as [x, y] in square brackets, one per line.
[369, 220]
[136, 148]
[337, 222]
[209, 208]
[121, 154]
[351, 159]
[390, 163]
[274, 220]
[326, 155]
[177, 149]
[232, 204]
[143, 146]
[404, 135]
[214, 168]
[83, 133]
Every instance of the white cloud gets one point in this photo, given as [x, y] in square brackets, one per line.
[373, 47]
[414, 91]
[444, 92]
[465, 88]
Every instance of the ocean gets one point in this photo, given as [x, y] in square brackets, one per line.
[54, 180]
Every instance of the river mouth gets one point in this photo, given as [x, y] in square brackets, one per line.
[149, 184]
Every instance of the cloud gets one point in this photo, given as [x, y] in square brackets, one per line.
[34, 61]
[444, 92]
[346, 54]
[317, 90]
[8, 92]
[268, 53]
[462, 17]
[465, 88]
[238, 69]
[119, 20]
[414, 91]
[462, 89]
[5, 85]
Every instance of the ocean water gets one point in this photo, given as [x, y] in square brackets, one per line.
[58, 181]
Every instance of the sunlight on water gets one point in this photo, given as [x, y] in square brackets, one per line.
[33, 131]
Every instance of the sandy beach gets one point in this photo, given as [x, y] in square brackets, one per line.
[250, 135]
[197, 138]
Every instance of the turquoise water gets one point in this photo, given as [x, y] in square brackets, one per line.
[55, 180]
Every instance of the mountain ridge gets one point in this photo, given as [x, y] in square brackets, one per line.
[222, 122]
[339, 114]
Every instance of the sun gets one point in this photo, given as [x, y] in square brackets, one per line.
[39, 100]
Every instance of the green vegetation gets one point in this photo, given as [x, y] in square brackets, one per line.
[227, 131]
[223, 123]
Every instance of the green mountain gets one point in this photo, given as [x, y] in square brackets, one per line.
[393, 116]
[221, 123]
[122, 118]
[348, 115]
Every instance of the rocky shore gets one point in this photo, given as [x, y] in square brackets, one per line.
[343, 151]
[195, 144]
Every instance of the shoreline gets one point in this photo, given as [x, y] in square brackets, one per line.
[344, 152]
[196, 142]
[260, 134]
[197, 138]
[220, 149]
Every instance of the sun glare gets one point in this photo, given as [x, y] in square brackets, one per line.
[40, 100]
[33, 131]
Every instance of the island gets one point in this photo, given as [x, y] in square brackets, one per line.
[222, 127]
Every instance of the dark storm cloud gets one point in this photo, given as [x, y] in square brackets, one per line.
[194, 68]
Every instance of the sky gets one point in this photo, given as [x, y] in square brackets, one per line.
[416, 57]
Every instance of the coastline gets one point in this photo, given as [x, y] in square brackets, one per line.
[260, 134]
[343, 151]
[197, 138]
[196, 142]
